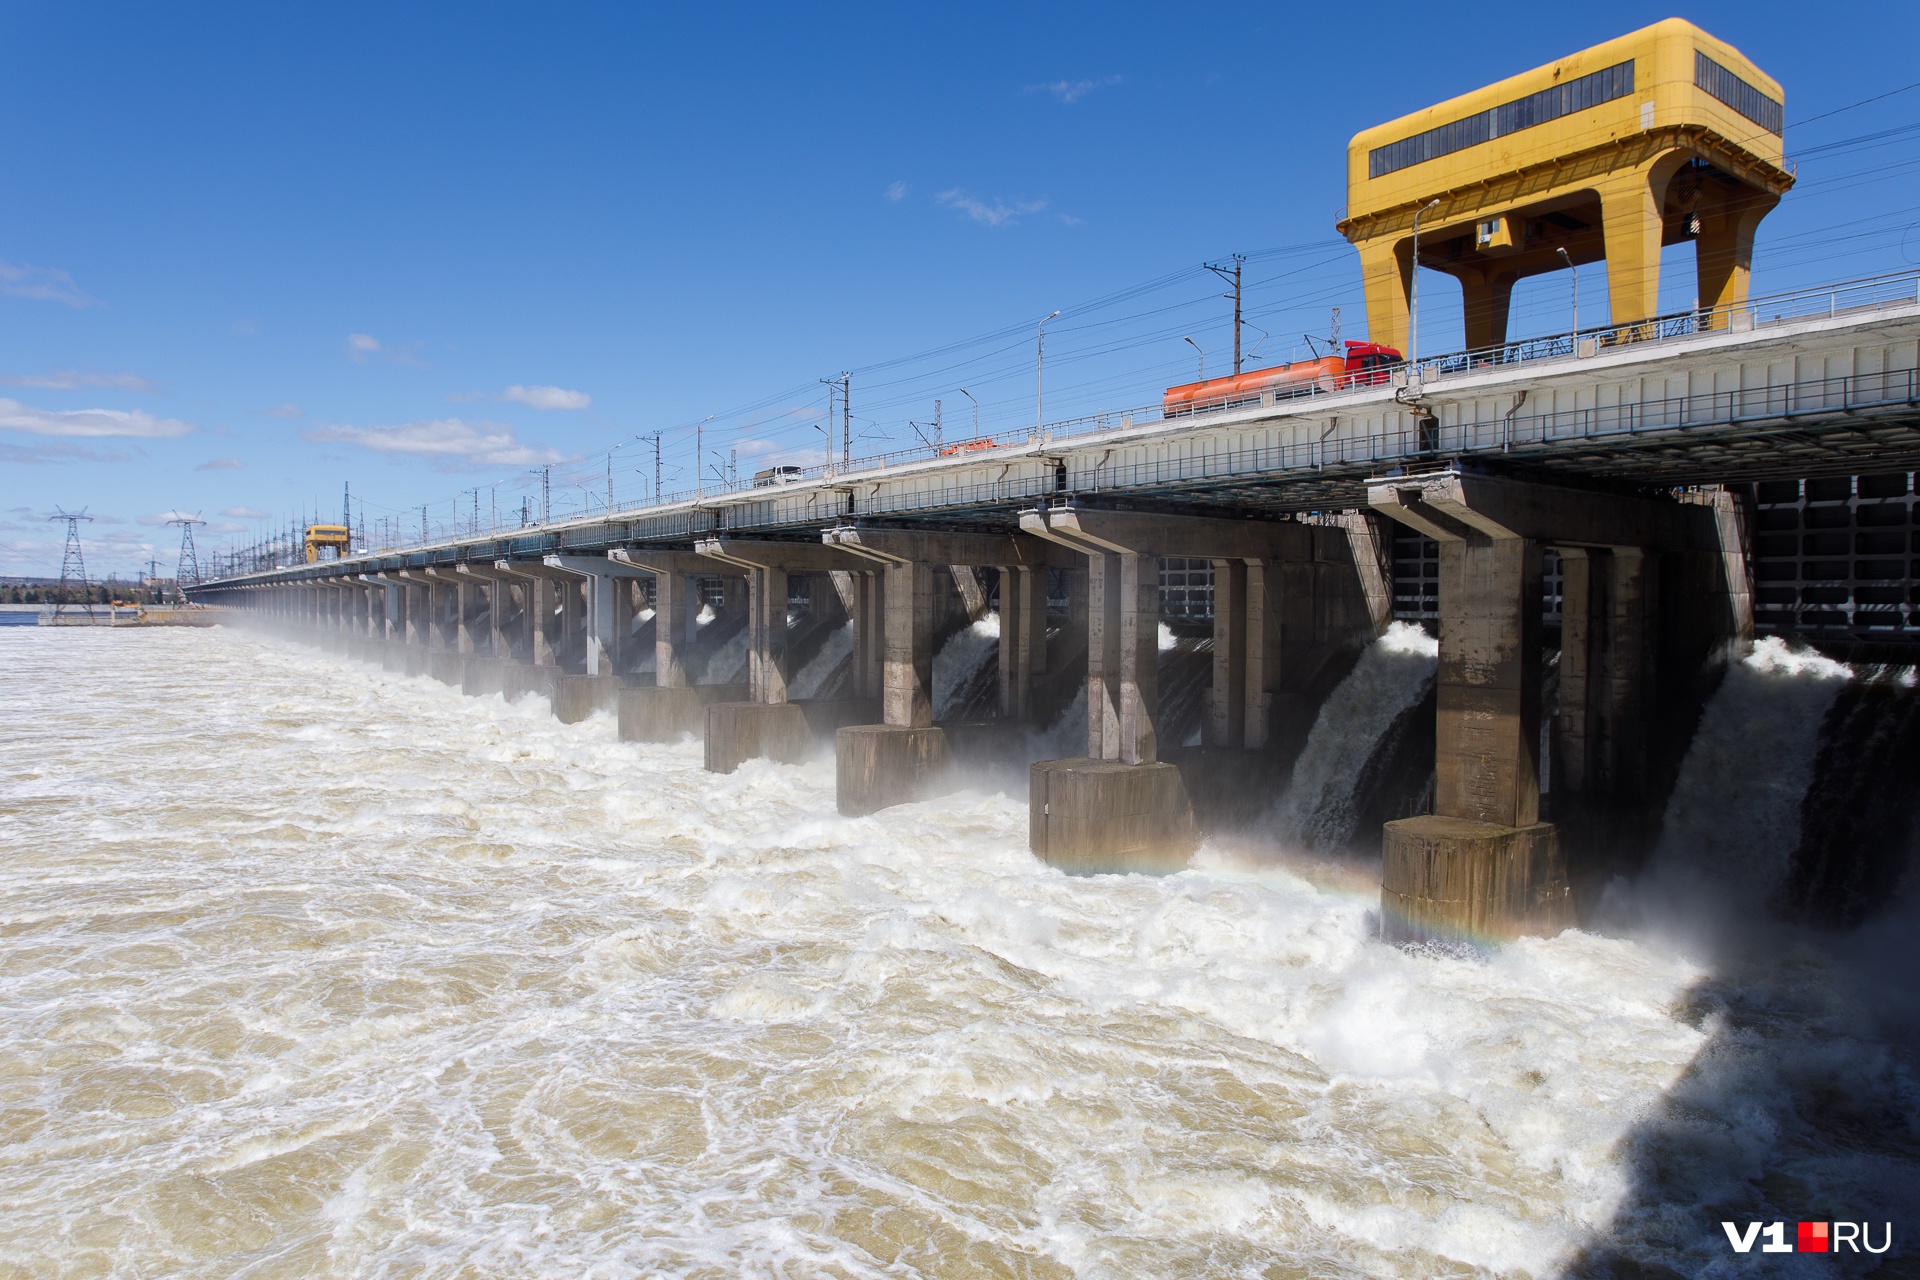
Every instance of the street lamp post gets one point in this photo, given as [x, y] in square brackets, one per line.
[976, 412]
[1575, 272]
[1039, 374]
[1203, 357]
[1413, 299]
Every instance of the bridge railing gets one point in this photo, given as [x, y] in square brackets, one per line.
[1322, 460]
[1848, 298]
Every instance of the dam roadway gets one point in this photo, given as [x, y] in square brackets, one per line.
[1624, 488]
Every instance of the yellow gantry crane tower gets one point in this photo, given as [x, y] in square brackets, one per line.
[1656, 137]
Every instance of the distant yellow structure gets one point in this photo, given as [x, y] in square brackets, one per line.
[326, 535]
[1657, 137]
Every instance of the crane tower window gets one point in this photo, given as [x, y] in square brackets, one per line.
[1718, 82]
[1586, 91]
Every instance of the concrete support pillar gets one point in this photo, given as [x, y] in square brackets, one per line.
[907, 698]
[1487, 761]
[1123, 657]
[541, 621]
[499, 599]
[671, 618]
[1023, 637]
[418, 615]
[1228, 723]
[767, 636]
[1483, 864]
[467, 608]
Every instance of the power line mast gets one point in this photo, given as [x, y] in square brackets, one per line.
[73, 565]
[188, 574]
[1232, 277]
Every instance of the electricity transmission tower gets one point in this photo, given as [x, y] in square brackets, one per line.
[188, 574]
[73, 565]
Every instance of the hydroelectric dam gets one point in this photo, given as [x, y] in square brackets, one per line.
[1585, 522]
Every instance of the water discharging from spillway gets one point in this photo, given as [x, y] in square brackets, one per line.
[1323, 802]
[316, 970]
[960, 660]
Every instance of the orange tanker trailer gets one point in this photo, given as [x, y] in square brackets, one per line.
[1365, 364]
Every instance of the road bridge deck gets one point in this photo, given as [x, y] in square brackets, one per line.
[1833, 392]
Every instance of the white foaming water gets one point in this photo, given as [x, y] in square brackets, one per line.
[960, 658]
[1317, 810]
[806, 683]
[315, 970]
[1734, 818]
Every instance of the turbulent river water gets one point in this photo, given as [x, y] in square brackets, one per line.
[307, 969]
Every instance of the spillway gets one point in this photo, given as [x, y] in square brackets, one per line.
[317, 970]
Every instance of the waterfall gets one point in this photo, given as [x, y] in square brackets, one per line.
[1734, 818]
[807, 681]
[1321, 805]
[1066, 737]
[728, 665]
[644, 667]
[960, 659]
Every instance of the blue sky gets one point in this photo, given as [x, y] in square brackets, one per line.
[249, 253]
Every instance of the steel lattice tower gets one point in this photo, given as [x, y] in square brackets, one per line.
[73, 565]
[188, 573]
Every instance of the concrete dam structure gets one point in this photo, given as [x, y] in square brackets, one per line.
[1590, 531]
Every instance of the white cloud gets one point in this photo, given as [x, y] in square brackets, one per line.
[997, 214]
[547, 397]
[287, 410]
[41, 454]
[221, 464]
[243, 513]
[452, 443]
[129, 424]
[1071, 91]
[361, 345]
[74, 379]
[896, 191]
[45, 284]
[226, 526]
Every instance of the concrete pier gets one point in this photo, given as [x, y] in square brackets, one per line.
[1484, 864]
[1287, 599]
[575, 697]
[667, 715]
[907, 758]
[742, 731]
[1098, 816]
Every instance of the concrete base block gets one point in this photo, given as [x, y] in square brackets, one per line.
[518, 680]
[575, 697]
[667, 715]
[1095, 816]
[740, 731]
[1458, 880]
[482, 676]
[446, 666]
[881, 765]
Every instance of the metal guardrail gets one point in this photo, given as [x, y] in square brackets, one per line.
[1847, 298]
